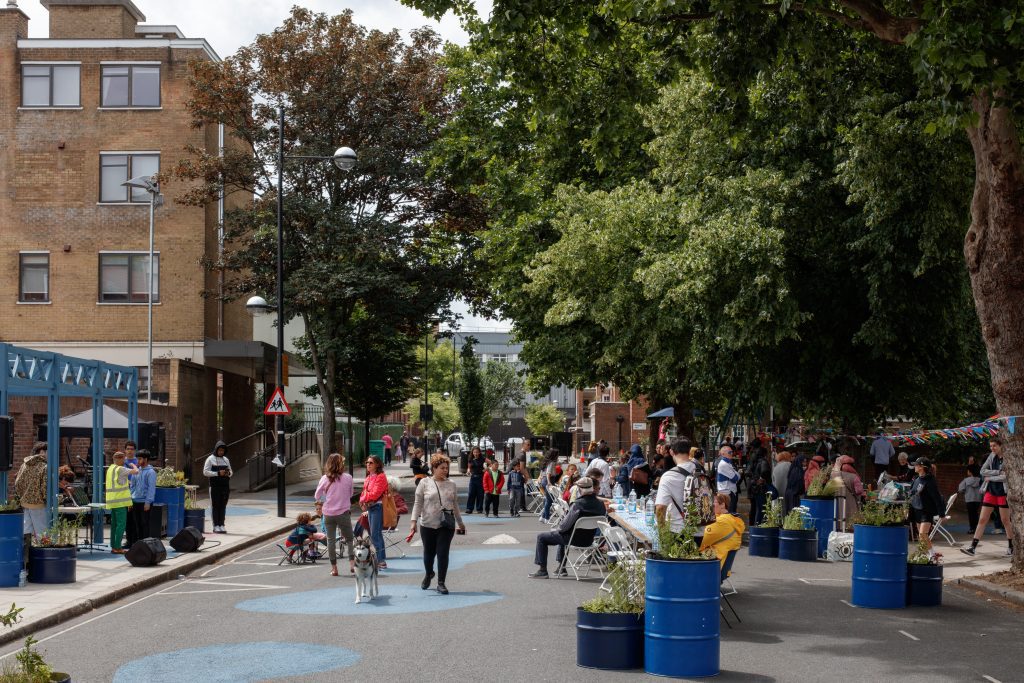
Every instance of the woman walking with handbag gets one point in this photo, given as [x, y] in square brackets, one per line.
[335, 490]
[375, 487]
[436, 508]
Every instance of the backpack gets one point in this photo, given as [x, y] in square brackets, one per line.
[640, 475]
[697, 487]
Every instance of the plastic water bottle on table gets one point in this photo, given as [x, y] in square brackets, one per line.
[632, 502]
[617, 495]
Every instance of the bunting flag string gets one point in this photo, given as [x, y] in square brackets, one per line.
[976, 432]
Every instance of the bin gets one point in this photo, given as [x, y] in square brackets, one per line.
[822, 512]
[174, 499]
[12, 548]
[681, 634]
[377, 449]
[879, 566]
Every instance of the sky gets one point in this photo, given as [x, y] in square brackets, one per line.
[229, 24]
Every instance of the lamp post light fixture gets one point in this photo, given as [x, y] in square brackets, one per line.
[150, 186]
[620, 419]
[344, 159]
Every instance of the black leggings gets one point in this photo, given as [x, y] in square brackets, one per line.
[219, 502]
[436, 542]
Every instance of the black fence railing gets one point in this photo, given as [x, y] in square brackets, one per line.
[261, 466]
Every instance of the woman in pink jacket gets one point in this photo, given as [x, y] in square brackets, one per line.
[334, 494]
[372, 501]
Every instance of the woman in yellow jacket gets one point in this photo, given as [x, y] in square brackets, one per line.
[726, 533]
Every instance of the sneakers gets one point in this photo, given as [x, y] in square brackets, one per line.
[539, 574]
[442, 589]
[1009, 552]
[426, 581]
[382, 565]
[562, 572]
[219, 530]
[968, 551]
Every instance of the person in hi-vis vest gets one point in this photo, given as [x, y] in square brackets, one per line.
[118, 499]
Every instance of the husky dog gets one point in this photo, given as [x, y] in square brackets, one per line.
[366, 570]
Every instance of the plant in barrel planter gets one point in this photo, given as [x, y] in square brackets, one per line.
[12, 548]
[195, 512]
[170, 491]
[30, 667]
[924, 576]
[764, 538]
[53, 555]
[798, 539]
[681, 625]
[820, 501]
[880, 556]
[610, 628]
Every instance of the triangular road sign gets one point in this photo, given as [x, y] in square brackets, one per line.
[277, 405]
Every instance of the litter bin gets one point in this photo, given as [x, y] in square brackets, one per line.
[377, 449]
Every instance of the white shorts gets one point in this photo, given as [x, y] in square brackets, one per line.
[35, 521]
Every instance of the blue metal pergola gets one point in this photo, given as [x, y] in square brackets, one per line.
[40, 373]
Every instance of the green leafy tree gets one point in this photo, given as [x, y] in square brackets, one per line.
[965, 52]
[381, 243]
[446, 412]
[471, 397]
[503, 389]
[544, 418]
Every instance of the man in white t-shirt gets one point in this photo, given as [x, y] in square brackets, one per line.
[601, 463]
[672, 490]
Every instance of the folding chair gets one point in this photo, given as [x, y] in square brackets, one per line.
[299, 554]
[559, 509]
[393, 539]
[724, 578]
[586, 555]
[939, 520]
[619, 551]
[534, 498]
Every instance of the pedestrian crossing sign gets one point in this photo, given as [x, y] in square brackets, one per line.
[277, 405]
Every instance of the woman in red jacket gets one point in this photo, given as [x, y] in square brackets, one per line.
[493, 481]
[372, 501]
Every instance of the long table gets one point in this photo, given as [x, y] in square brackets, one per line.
[636, 526]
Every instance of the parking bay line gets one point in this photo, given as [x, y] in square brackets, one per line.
[912, 637]
[993, 680]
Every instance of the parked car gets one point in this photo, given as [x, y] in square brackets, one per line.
[456, 444]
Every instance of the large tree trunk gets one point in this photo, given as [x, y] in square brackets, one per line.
[994, 249]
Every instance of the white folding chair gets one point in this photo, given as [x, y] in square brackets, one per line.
[587, 556]
[939, 520]
[534, 498]
[620, 551]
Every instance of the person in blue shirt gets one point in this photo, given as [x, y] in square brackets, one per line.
[143, 489]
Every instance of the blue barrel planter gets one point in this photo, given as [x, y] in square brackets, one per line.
[822, 512]
[609, 641]
[12, 549]
[52, 565]
[764, 541]
[681, 636]
[924, 585]
[197, 519]
[174, 499]
[879, 566]
[800, 545]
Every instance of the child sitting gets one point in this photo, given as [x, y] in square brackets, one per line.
[305, 536]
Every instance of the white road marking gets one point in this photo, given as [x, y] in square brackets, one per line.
[224, 590]
[809, 581]
[227, 583]
[273, 571]
[97, 617]
[994, 680]
[846, 603]
[501, 539]
[909, 636]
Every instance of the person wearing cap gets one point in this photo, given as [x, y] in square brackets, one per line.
[925, 500]
[587, 505]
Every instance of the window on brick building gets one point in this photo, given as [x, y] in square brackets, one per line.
[116, 168]
[130, 85]
[34, 275]
[124, 278]
[51, 85]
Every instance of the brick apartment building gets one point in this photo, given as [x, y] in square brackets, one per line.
[604, 415]
[99, 101]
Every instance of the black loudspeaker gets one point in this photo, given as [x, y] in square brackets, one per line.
[188, 540]
[147, 552]
[6, 443]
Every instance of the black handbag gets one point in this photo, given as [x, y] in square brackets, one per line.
[447, 516]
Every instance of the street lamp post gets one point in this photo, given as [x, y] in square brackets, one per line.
[344, 158]
[151, 187]
[620, 419]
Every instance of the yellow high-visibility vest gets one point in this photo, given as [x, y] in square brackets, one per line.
[118, 496]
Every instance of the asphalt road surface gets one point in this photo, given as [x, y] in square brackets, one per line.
[248, 619]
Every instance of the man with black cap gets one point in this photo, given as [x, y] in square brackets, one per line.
[587, 505]
[925, 500]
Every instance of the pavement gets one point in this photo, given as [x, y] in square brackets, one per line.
[248, 619]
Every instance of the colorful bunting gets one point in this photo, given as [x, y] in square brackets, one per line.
[977, 432]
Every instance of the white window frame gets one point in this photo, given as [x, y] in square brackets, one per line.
[128, 294]
[21, 278]
[131, 84]
[50, 82]
[130, 195]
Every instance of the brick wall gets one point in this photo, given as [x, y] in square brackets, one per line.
[607, 427]
[92, 21]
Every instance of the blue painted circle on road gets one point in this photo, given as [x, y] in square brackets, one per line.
[238, 511]
[457, 560]
[393, 599]
[237, 663]
[480, 519]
